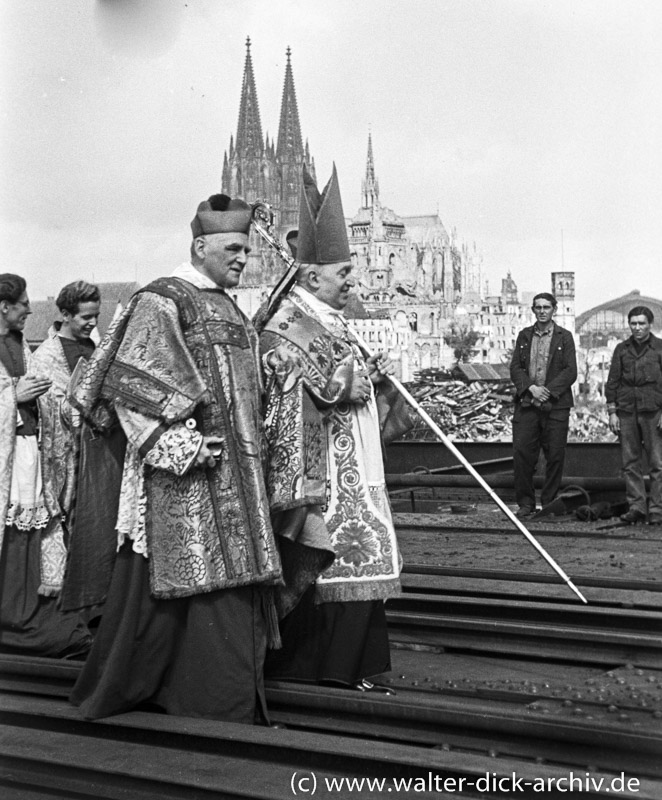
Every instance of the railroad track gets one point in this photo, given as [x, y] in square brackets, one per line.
[586, 704]
[619, 626]
[610, 534]
[497, 673]
[46, 750]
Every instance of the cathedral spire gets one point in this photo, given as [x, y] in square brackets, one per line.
[290, 145]
[250, 143]
[370, 184]
[290, 153]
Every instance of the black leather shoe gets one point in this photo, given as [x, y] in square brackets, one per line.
[633, 516]
[367, 686]
[524, 512]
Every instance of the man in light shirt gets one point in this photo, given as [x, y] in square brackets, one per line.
[543, 368]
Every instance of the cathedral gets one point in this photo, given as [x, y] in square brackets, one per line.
[415, 281]
[256, 168]
[411, 275]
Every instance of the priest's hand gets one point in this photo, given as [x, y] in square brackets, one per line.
[30, 387]
[209, 452]
[614, 423]
[361, 390]
[380, 366]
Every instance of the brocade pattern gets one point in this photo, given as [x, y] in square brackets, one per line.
[185, 353]
[311, 425]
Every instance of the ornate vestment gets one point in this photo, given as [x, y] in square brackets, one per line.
[180, 363]
[45, 515]
[8, 414]
[325, 452]
[59, 441]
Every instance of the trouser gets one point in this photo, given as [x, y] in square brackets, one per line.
[533, 430]
[639, 430]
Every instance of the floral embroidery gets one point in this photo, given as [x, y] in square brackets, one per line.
[355, 545]
[175, 449]
[351, 491]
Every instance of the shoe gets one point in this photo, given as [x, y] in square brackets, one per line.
[655, 519]
[524, 512]
[633, 516]
[367, 686]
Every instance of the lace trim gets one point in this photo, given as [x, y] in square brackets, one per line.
[133, 502]
[139, 536]
[27, 518]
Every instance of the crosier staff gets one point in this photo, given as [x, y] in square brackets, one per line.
[263, 223]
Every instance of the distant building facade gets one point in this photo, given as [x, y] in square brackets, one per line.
[600, 329]
[500, 319]
[563, 288]
[610, 320]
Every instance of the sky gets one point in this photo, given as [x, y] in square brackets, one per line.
[533, 128]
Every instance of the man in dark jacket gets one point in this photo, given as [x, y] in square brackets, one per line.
[543, 369]
[634, 402]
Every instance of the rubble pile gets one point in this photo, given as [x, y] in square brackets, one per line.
[464, 411]
[482, 411]
[587, 425]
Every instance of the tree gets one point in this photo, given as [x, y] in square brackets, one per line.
[462, 339]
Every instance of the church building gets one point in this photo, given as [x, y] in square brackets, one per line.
[259, 168]
[415, 280]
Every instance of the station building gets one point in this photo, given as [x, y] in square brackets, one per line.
[599, 330]
[609, 320]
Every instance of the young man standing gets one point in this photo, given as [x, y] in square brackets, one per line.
[634, 402]
[543, 368]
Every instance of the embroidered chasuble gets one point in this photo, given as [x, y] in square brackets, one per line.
[325, 454]
[180, 363]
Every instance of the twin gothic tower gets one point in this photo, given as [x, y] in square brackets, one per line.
[410, 273]
[256, 168]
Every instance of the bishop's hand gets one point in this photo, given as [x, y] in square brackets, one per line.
[380, 366]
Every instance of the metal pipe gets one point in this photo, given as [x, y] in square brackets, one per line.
[424, 479]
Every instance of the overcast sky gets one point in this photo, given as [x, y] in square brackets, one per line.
[534, 128]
